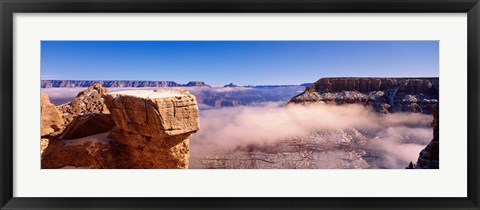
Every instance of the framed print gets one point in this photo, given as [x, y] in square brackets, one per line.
[239, 104]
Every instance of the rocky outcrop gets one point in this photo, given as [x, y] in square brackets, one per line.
[116, 83]
[383, 94]
[88, 101]
[152, 130]
[429, 156]
[51, 119]
[87, 125]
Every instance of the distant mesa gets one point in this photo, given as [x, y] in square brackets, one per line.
[116, 83]
[230, 85]
[196, 84]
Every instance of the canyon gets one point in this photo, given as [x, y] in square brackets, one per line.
[160, 127]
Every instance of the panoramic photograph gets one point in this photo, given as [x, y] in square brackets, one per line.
[239, 105]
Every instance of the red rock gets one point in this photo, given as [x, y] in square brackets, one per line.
[51, 118]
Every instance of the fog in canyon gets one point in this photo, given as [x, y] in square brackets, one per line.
[252, 127]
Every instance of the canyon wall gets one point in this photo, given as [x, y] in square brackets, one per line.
[116, 83]
[429, 156]
[384, 95]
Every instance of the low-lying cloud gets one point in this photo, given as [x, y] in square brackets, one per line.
[397, 137]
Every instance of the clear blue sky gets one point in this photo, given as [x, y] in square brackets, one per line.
[242, 62]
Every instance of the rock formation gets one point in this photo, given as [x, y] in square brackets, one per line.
[51, 119]
[429, 156]
[383, 94]
[154, 127]
[152, 130]
[196, 84]
[230, 85]
[116, 83]
[86, 102]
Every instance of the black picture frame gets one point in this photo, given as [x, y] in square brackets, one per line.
[9, 7]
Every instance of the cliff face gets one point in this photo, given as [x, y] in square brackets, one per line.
[429, 156]
[116, 83]
[383, 94]
[151, 130]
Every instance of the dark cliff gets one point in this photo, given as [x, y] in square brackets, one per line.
[429, 156]
[385, 95]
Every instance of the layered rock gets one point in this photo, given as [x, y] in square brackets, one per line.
[117, 83]
[105, 83]
[51, 119]
[383, 94]
[196, 84]
[152, 130]
[86, 102]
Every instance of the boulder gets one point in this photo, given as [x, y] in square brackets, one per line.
[154, 113]
[153, 128]
[87, 125]
[51, 118]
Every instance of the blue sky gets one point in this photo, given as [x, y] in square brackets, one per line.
[242, 62]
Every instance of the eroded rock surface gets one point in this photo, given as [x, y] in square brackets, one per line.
[385, 95]
[51, 119]
[86, 102]
[152, 130]
[154, 114]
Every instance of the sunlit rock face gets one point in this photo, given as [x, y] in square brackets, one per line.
[151, 129]
[51, 118]
[86, 102]
[385, 95]
[154, 113]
